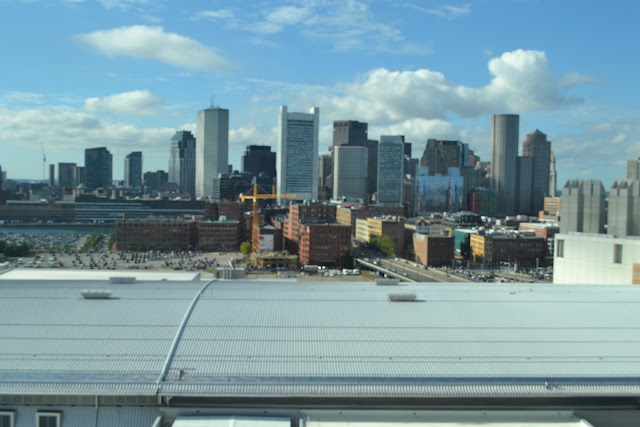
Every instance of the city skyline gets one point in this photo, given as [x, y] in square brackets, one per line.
[127, 75]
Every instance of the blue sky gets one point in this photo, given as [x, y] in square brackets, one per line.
[127, 73]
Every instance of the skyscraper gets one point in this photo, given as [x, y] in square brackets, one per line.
[212, 148]
[297, 157]
[67, 175]
[350, 132]
[390, 169]
[583, 207]
[182, 161]
[538, 148]
[504, 154]
[259, 159]
[349, 172]
[98, 163]
[133, 169]
[439, 156]
[52, 175]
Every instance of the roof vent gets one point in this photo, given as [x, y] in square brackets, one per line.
[95, 294]
[387, 282]
[402, 297]
[122, 279]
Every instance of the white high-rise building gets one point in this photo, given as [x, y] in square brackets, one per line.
[297, 158]
[212, 148]
[390, 169]
[350, 172]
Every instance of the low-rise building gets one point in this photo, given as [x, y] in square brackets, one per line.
[493, 248]
[220, 236]
[161, 234]
[547, 230]
[325, 244]
[434, 250]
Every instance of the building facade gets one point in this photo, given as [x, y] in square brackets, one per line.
[166, 235]
[325, 244]
[633, 168]
[504, 152]
[212, 148]
[220, 236]
[98, 163]
[583, 207]
[297, 157]
[433, 250]
[439, 193]
[623, 214]
[182, 161]
[133, 169]
[495, 248]
[350, 172]
[390, 169]
[596, 259]
[67, 175]
[538, 147]
[259, 159]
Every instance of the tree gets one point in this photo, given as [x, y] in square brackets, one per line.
[245, 248]
[385, 244]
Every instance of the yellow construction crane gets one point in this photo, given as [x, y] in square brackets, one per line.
[255, 196]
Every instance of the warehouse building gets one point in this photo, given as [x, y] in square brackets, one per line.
[149, 352]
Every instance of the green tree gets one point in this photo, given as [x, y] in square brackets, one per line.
[384, 244]
[112, 241]
[245, 248]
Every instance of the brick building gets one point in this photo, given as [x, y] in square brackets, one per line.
[156, 234]
[494, 248]
[434, 250]
[325, 244]
[220, 236]
[304, 214]
[545, 230]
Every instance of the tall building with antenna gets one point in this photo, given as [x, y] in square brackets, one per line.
[212, 147]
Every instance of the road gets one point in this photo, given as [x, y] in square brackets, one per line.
[406, 270]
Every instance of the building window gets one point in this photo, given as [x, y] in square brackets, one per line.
[560, 249]
[617, 254]
[6, 418]
[48, 419]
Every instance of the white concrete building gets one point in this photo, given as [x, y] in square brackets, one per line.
[350, 172]
[297, 157]
[581, 258]
[212, 148]
[623, 215]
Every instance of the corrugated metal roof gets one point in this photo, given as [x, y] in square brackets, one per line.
[53, 339]
[314, 339]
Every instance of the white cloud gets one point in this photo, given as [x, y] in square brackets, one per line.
[26, 97]
[522, 82]
[138, 102]
[141, 41]
[69, 131]
[346, 24]
[444, 11]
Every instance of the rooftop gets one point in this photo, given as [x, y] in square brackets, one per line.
[279, 338]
